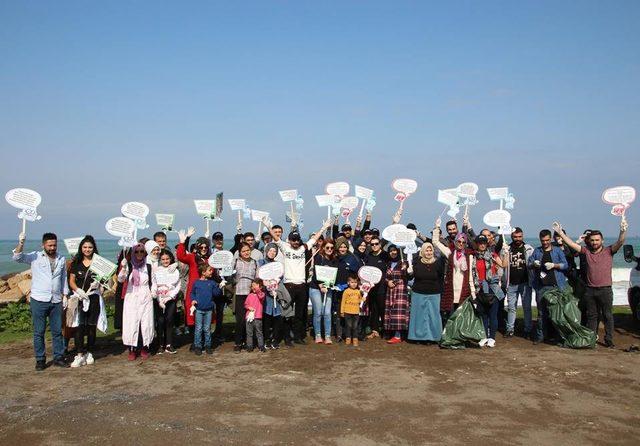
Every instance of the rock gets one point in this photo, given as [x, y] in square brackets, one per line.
[13, 295]
[4, 286]
[25, 286]
[13, 281]
[27, 274]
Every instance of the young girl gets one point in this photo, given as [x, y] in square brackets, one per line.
[350, 310]
[165, 287]
[253, 306]
[202, 293]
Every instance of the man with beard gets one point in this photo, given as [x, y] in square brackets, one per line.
[518, 282]
[377, 258]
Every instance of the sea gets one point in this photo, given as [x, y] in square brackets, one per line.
[110, 249]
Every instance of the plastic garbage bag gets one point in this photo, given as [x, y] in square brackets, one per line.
[463, 326]
[565, 317]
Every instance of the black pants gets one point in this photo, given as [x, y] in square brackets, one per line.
[78, 337]
[351, 325]
[299, 298]
[599, 301]
[241, 331]
[220, 302]
[272, 328]
[377, 297]
[164, 322]
[336, 301]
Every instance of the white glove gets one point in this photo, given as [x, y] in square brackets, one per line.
[94, 286]
[85, 304]
[161, 302]
[222, 283]
[536, 263]
[438, 222]
[81, 294]
[124, 264]
[505, 248]
[22, 237]
[251, 316]
[623, 224]
[410, 269]
[549, 265]
[65, 302]
[192, 310]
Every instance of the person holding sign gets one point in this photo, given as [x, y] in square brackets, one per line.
[49, 291]
[598, 294]
[277, 309]
[377, 295]
[396, 312]
[137, 313]
[320, 294]
[165, 286]
[245, 272]
[87, 297]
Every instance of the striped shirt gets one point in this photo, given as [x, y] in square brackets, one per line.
[245, 273]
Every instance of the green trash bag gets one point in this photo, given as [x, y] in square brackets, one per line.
[565, 317]
[463, 326]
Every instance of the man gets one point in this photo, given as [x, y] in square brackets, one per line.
[547, 264]
[377, 258]
[161, 239]
[250, 239]
[295, 276]
[518, 283]
[598, 294]
[452, 232]
[217, 240]
[49, 291]
[266, 239]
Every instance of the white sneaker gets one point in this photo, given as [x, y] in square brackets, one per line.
[78, 361]
[89, 359]
[483, 342]
[491, 342]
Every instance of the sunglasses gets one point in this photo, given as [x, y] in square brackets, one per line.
[137, 251]
[375, 244]
[328, 247]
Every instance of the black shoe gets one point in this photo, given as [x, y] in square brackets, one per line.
[300, 342]
[197, 351]
[237, 348]
[41, 365]
[169, 349]
[192, 347]
[609, 344]
[249, 349]
[262, 349]
[275, 345]
[209, 351]
[288, 344]
[508, 334]
[60, 363]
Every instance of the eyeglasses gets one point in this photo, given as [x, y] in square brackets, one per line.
[375, 244]
[137, 251]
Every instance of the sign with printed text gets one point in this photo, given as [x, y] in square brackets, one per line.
[364, 193]
[27, 201]
[221, 259]
[389, 231]
[404, 237]
[102, 268]
[135, 210]
[619, 195]
[258, 215]
[237, 204]
[497, 218]
[498, 193]
[339, 188]
[349, 203]
[204, 207]
[467, 190]
[120, 227]
[165, 220]
[288, 195]
[324, 200]
[72, 245]
[271, 271]
[370, 274]
[405, 185]
[326, 274]
[447, 198]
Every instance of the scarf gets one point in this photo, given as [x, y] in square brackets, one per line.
[459, 257]
[423, 256]
[137, 265]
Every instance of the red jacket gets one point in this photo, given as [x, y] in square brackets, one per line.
[188, 259]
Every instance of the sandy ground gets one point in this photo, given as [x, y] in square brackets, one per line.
[516, 393]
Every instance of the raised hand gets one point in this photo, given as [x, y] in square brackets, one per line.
[557, 227]
[182, 236]
[623, 224]
[191, 231]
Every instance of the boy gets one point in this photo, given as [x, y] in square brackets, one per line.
[350, 310]
[202, 294]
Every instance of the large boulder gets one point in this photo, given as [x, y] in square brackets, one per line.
[25, 287]
[13, 295]
[4, 286]
[14, 280]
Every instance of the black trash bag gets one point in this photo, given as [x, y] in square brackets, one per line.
[565, 317]
[464, 326]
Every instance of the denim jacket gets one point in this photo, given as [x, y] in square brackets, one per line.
[557, 256]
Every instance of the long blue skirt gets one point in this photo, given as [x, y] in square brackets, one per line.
[425, 323]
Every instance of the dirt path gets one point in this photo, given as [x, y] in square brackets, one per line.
[516, 393]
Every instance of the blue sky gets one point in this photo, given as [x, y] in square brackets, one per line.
[164, 102]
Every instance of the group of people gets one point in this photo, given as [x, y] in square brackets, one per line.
[162, 291]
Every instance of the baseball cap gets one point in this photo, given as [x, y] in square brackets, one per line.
[482, 239]
[217, 236]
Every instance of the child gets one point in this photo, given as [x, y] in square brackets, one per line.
[253, 316]
[202, 293]
[350, 310]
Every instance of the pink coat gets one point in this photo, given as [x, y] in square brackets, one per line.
[254, 301]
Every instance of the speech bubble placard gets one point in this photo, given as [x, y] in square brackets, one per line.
[498, 193]
[165, 220]
[370, 274]
[120, 226]
[447, 198]
[324, 200]
[404, 237]
[135, 210]
[404, 185]
[339, 188]
[72, 245]
[22, 198]
[389, 231]
[349, 203]
[619, 195]
[257, 215]
[497, 218]
[288, 195]
[237, 204]
[205, 207]
[221, 259]
[326, 274]
[271, 271]
[363, 192]
[467, 190]
[102, 268]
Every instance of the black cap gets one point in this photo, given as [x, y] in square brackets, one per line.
[346, 227]
[482, 239]
[367, 231]
[375, 231]
[217, 236]
[411, 226]
[295, 236]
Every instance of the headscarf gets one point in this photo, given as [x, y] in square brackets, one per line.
[137, 264]
[202, 241]
[359, 255]
[423, 255]
[339, 242]
[150, 246]
[266, 250]
[459, 255]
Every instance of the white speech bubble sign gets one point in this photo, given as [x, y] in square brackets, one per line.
[22, 198]
[447, 198]
[619, 195]
[339, 188]
[370, 274]
[411, 249]
[498, 193]
[237, 204]
[404, 237]
[389, 231]
[364, 193]
[135, 210]
[326, 274]
[72, 245]
[271, 271]
[120, 227]
[497, 218]
[324, 200]
[349, 203]
[505, 230]
[288, 195]
[221, 259]
[404, 185]
[467, 190]
[102, 268]
[204, 207]
[257, 215]
[165, 220]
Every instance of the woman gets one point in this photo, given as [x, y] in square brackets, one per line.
[137, 312]
[348, 263]
[427, 271]
[153, 253]
[277, 305]
[245, 271]
[88, 302]
[485, 286]
[165, 287]
[396, 310]
[456, 275]
[320, 294]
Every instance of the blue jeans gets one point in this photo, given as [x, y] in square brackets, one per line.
[522, 290]
[319, 311]
[39, 313]
[203, 325]
[543, 313]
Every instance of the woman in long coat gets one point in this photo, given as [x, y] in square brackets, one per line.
[396, 312]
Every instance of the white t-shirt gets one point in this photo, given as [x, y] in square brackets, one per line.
[294, 262]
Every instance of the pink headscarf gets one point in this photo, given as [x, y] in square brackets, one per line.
[137, 265]
[459, 257]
